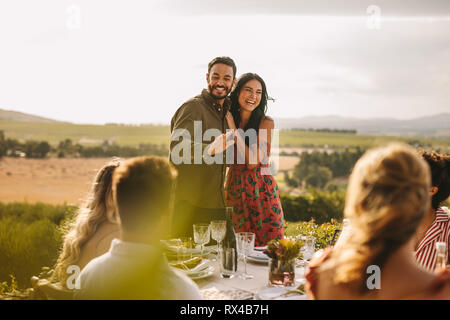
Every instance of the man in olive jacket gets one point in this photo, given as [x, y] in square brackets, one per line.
[199, 196]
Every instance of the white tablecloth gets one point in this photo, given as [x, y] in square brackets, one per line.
[258, 283]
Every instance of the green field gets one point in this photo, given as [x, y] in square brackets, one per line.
[336, 140]
[133, 135]
[55, 132]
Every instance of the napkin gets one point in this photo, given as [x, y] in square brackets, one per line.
[215, 293]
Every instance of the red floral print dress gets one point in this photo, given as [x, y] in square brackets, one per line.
[255, 199]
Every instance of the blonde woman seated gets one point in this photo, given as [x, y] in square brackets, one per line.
[89, 236]
[387, 198]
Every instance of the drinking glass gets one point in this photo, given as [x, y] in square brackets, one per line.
[309, 247]
[441, 255]
[201, 235]
[184, 251]
[245, 245]
[218, 230]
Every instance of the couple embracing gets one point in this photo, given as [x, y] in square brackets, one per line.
[235, 108]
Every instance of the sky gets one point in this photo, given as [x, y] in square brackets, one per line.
[136, 61]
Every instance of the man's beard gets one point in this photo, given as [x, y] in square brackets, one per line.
[227, 91]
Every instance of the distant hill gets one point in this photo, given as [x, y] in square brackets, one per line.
[23, 117]
[430, 126]
[434, 126]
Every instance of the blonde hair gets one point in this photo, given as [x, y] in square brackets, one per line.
[98, 208]
[387, 198]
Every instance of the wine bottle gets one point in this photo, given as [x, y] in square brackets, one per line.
[229, 250]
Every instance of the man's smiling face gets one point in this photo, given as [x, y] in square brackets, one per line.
[220, 80]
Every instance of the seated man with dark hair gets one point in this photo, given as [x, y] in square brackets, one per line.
[135, 267]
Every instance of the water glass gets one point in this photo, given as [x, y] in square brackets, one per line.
[245, 245]
[309, 247]
[441, 255]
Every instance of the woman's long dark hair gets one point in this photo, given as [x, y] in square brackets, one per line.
[260, 110]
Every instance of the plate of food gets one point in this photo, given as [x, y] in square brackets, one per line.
[195, 268]
[173, 248]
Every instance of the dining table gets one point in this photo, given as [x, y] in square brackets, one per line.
[215, 287]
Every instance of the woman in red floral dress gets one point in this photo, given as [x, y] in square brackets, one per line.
[250, 188]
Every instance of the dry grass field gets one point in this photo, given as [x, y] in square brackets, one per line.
[52, 181]
[57, 181]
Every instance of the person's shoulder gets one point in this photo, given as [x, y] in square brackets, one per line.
[93, 275]
[97, 265]
[108, 232]
[267, 118]
[267, 122]
[186, 288]
[189, 108]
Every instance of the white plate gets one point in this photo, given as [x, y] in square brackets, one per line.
[204, 274]
[274, 293]
[260, 248]
[258, 257]
[171, 250]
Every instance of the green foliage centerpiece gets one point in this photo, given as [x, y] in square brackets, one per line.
[282, 254]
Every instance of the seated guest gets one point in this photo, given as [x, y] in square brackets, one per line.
[89, 235]
[387, 199]
[135, 267]
[436, 225]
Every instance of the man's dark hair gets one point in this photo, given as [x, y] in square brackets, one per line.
[224, 60]
[142, 190]
[440, 175]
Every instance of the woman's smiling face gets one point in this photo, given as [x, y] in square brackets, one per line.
[250, 95]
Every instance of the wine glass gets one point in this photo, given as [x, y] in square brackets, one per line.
[218, 230]
[245, 245]
[201, 235]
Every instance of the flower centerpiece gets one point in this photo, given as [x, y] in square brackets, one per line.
[282, 254]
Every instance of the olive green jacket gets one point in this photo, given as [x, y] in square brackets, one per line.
[199, 183]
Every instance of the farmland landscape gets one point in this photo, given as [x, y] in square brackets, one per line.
[39, 192]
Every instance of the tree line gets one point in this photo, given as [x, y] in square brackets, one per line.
[316, 169]
[66, 148]
[348, 131]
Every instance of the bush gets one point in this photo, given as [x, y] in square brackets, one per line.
[318, 176]
[26, 248]
[29, 213]
[326, 234]
[30, 238]
[318, 168]
[317, 205]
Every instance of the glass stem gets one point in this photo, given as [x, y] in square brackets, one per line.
[245, 264]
